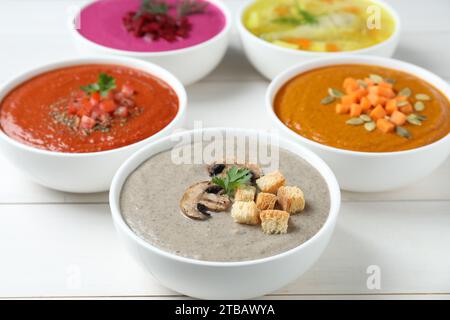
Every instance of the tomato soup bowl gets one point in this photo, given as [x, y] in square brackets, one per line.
[83, 172]
[223, 280]
[368, 171]
[189, 64]
[270, 60]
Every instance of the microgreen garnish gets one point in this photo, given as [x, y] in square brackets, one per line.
[152, 6]
[234, 178]
[188, 7]
[104, 84]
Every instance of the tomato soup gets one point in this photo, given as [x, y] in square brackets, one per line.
[364, 108]
[87, 108]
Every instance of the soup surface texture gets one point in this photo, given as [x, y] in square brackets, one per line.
[319, 25]
[298, 105]
[31, 113]
[102, 22]
[150, 206]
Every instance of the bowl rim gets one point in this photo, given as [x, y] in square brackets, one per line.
[147, 152]
[153, 54]
[391, 40]
[7, 86]
[395, 64]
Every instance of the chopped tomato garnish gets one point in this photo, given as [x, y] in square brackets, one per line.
[87, 122]
[72, 108]
[108, 105]
[95, 98]
[127, 90]
[121, 112]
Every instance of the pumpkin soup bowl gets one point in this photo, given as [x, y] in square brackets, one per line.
[270, 60]
[83, 172]
[227, 279]
[368, 171]
[189, 64]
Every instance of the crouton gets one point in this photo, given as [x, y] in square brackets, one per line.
[245, 212]
[271, 182]
[291, 199]
[266, 201]
[274, 221]
[245, 193]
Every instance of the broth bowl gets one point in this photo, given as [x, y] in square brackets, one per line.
[368, 171]
[188, 64]
[270, 60]
[223, 280]
[90, 171]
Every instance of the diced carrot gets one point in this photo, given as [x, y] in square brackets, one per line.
[382, 91]
[407, 109]
[358, 94]
[348, 100]
[376, 99]
[301, 42]
[398, 118]
[391, 106]
[385, 84]
[378, 113]
[385, 126]
[369, 82]
[331, 47]
[353, 9]
[365, 103]
[355, 110]
[342, 109]
[282, 10]
[350, 85]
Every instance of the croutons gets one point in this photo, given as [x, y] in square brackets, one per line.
[266, 201]
[291, 199]
[245, 193]
[274, 221]
[245, 212]
[271, 182]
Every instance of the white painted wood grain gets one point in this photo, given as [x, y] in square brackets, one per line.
[44, 247]
[46, 236]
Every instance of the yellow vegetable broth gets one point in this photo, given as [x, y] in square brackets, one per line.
[319, 25]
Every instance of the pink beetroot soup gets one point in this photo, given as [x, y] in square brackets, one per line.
[101, 22]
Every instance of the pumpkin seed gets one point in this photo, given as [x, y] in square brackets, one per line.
[370, 126]
[362, 83]
[419, 106]
[365, 118]
[423, 97]
[327, 100]
[355, 121]
[421, 117]
[390, 80]
[413, 119]
[402, 103]
[335, 93]
[402, 132]
[376, 78]
[405, 92]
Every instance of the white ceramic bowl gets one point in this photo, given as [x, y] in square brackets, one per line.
[369, 171]
[223, 280]
[270, 60]
[82, 172]
[189, 64]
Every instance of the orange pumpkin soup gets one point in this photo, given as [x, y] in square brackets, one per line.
[364, 108]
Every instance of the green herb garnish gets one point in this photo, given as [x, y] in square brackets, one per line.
[188, 7]
[304, 17]
[104, 84]
[234, 178]
[308, 18]
[152, 6]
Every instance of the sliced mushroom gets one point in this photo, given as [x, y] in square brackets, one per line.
[202, 198]
[219, 168]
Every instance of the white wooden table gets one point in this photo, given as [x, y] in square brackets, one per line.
[55, 244]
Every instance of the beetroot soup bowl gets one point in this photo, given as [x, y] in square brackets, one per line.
[190, 47]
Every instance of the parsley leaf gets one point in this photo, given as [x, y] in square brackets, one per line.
[233, 179]
[308, 18]
[104, 84]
